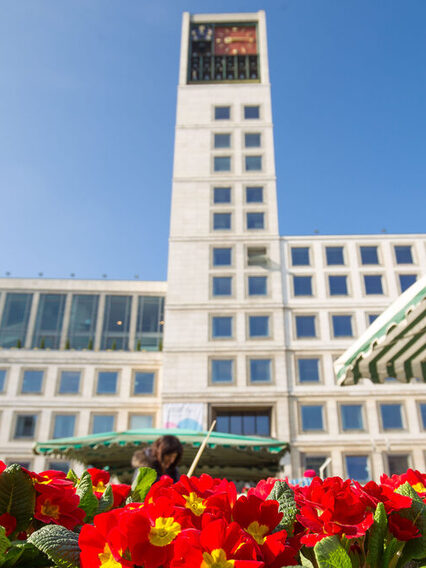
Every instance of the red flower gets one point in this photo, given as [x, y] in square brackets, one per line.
[120, 492]
[402, 528]
[371, 494]
[3, 466]
[8, 521]
[51, 477]
[100, 479]
[263, 488]
[416, 479]
[257, 517]
[58, 506]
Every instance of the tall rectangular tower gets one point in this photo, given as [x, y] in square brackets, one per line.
[224, 332]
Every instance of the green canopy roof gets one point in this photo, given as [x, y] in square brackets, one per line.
[393, 346]
[226, 455]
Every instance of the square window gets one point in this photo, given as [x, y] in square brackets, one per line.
[222, 370]
[251, 112]
[221, 221]
[2, 379]
[143, 382]
[391, 416]
[252, 140]
[222, 257]
[342, 326]
[358, 468]
[69, 382]
[222, 163]
[314, 462]
[260, 370]
[369, 255]
[253, 163]
[222, 285]
[103, 423]
[255, 220]
[107, 382]
[59, 466]
[222, 195]
[25, 425]
[221, 327]
[338, 285]
[222, 140]
[308, 370]
[334, 255]
[373, 284]
[403, 254]
[305, 326]
[32, 382]
[302, 285]
[259, 326]
[351, 415]
[222, 113]
[256, 256]
[254, 194]
[422, 408]
[257, 285]
[407, 280]
[140, 421]
[372, 317]
[64, 426]
[300, 256]
[312, 417]
[397, 464]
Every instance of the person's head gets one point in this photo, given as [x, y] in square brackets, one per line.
[167, 450]
[138, 458]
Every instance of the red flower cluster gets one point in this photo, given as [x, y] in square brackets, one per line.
[100, 481]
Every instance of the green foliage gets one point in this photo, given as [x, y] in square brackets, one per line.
[90, 344]
[106, 501]
[282, 493]
[18, 343]
[72, 476]
[415, 549]
[142, 485]
[67, 344]
[306, 562]
[377, 535]
[59, 544]
[17, 495]
[42, 343]
[88, 500]
[4, 541]
[331, 554]
[24, 555]
[390, 554]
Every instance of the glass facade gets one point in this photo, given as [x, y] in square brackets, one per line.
[82, 326]
[14, 322]
[248, 423]
[150, 323]
[48, 326]
[115, 330]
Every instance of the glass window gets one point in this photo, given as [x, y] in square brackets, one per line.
[59, 466]
[221, 327]
[358, 468]
[221, 221]
[141, 421]
[315, 462]
[305, 326]
[2, 379]
[143, 382]
[342, 326]
[256, 256]
[102, 423]
[82, 327]
[254, 194]
[302, 285]
[222, 285]
[391, 416]
[222, 140]
[25, 425]
[253, 163]
[372, 317]
[107, 382]
[14, 322]
[373, 284]
[251, 112]
[222, 113]
[300, 256]
[32, 382]
[406, 280]
[48, 326]
[308, 370]
[334, 255]
[222, 163]
[259, 326]
[422, 408]
[222, 257]
[255, 221]
[64, 426]
[403, 254]
[252, 140]
[257, 285]
[312, 418]
[260, 370]
[351, 416]
[244, 423]
[222, 195]
[115, 332]
[222, 370]
[369, 255]
[338, 285]
[397, 464]
[69, 382]
[149, 323]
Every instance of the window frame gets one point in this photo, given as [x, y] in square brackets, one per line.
[154, 383]
[311, 284]
[305, 337]
[24, 370]
[222, 357]
[259, 357]
[363, 417]
[214, 107]
[352, 321]
[269, 317]
[222, 338]
[309, 357]
[96, 382]
[402, 415]
[324, 426]
[340, 294]
[221, 266]
[16, 415]
[214, 296]
[58, 382]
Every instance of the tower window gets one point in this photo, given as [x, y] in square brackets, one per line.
[351, 415]
[342, 326]
[222, 140]
[32, 382]
[222, 113]
[260, 370]
[369, 255]
[305, 326]
[256, 256]
[222, 163]
[221, 221]
[252, 140]
[334, 255]
[222, 286]
[338, 285]
[302, 285]
[254, 194]
[403, 255]
[222, 370]
[255, 220]
[253, 163]
[308, 370]
[258, 326]
[222, 195]
[107, 382]
[300, 256]
[257, 285]
[406, 280]
[373, 284]
[222, 257]
[391, 415]
[221, 327]
[312, 417]
[251, 112]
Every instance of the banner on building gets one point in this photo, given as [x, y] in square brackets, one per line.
[186, 415]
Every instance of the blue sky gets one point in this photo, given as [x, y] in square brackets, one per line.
[87, 111]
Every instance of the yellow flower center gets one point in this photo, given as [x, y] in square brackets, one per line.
[257, 531]
[100, 487]
[195, 503]
[107, 559]
[419, 487]
[50, 510]
[217, 559]
[164, 532]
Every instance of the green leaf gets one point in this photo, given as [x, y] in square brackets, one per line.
[142, 484]
[106, 501]
[17, 495]
[282, 493]
[4, 541]
[72, 476]
[60, 545]
[331, 554]
[25, 555]
[377, 535]
[88, 500]
[415, 548]
[305, 561]
[392, 547]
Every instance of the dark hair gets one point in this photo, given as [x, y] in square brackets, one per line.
[167, 445]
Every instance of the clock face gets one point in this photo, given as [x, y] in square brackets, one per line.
[235, 40]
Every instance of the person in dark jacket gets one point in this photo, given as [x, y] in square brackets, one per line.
[163, 456]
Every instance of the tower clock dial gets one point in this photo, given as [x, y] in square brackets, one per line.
[235, 40]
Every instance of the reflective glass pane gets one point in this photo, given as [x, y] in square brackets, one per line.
[222, 163]
[372, 317]
[102, 423]
[221, 326]
[373, 284]
[251, 112]
[263, 425]
[369, 255]
[221, 221]
[302, 285]
[222, 286]
[115, 330]
[222, 423]
[423, 414]
[107, 382]
[59, 466]
[254, 194]
[69, 382]
[222, 370]
[82, 327]
[236, 424]
[342, 326]
[255, 221]
[253, 163]
[149, 324]
[260, 370]
[403, 255]
[314, 462]
[140, 421]
[222, 112]
[2, 379]
[337, 285]
[48, 326]
[258, 326]
[143, 382]
[312, 418]
[222, 140]
[300, 256]
[305, 326]
[222, 195]
[32, 381]
[25, 425]
[391, 416]
[407, 280]
[308, 370]
[222, 257]
[14, 321]
[397, 464]
[257, 285]
[249, 424]
[64, 426]
[252, 140]
[334, 255]
[351, 416]
[358, 468]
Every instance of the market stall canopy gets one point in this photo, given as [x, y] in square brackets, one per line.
[393, 346]
[226, 455]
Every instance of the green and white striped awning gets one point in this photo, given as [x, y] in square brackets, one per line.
[393, 346]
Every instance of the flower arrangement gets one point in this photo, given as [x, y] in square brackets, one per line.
[53, 519]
